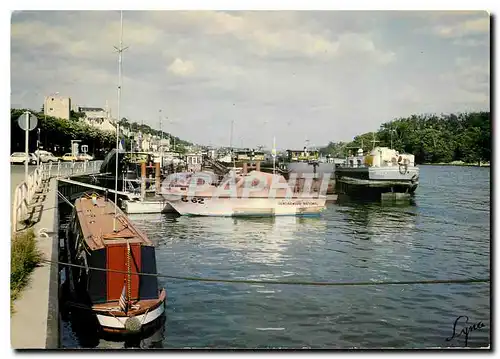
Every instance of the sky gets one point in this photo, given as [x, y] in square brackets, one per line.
[295, 75]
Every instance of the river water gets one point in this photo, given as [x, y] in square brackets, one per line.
[443, 234]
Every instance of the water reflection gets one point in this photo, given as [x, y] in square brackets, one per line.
[379, 222]
[258, 240]
[152, 340]
[79, 332]
[381, 237]
[445, 234]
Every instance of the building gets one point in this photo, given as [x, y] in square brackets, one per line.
[97, 117]
[194, 162]
[93, 113]
[146, 142]
[164, 144]
[57, 106]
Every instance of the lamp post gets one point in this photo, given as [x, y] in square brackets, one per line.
[38, 149]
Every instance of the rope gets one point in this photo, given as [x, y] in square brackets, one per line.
[251, 281]
[65, 199]
[129, 292]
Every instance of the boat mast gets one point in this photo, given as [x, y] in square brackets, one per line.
[274, 155]
[119, 49]
[231, 145]
[160, 147]
[374, 141]
[391, 136]
[139, 145]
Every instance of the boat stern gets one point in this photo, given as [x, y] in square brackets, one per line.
[148, 316]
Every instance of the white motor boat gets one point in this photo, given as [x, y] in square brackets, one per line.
[253, 194]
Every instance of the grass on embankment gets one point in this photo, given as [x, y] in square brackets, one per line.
[24, 258]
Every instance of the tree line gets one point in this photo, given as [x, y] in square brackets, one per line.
[56, 134]
[431, 138]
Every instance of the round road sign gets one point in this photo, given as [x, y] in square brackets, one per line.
[27, 121]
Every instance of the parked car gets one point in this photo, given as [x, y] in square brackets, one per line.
[20, 157]
[69, 157]
[46, 156]
[85, 157]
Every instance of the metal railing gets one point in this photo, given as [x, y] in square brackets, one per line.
[25, 191]
[68, 169]
[23, 195]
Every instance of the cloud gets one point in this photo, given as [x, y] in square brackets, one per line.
[471, 42]
[362, 44]
[268, 34]
[89, 36]
[324, 75]
[181, 68]
[476, 26]
[468, 81]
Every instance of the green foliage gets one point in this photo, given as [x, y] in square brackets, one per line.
[134, 126]
[432, 139]
[180, 147]
[24, 258]
[75, 116]
[124, 123]
[56, 134]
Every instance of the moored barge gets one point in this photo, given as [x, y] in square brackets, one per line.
[383, 173]
[124, 297]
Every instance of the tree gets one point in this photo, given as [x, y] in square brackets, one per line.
[57, 133]
[76, 116]
[432, 138]
[124, 123]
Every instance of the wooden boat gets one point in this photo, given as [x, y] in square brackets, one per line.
[122, 302]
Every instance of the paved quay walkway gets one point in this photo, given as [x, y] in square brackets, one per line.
[35, 324]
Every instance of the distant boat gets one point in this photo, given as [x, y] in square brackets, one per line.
[306, 162]
[383, 172]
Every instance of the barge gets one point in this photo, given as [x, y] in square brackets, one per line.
[382, 174]
[123, 295]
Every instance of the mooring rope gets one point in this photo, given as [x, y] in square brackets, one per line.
[129, 280]
[252, 281]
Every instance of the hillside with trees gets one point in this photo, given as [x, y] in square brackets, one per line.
[145, 129]
[56, 134]
[431, 138]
